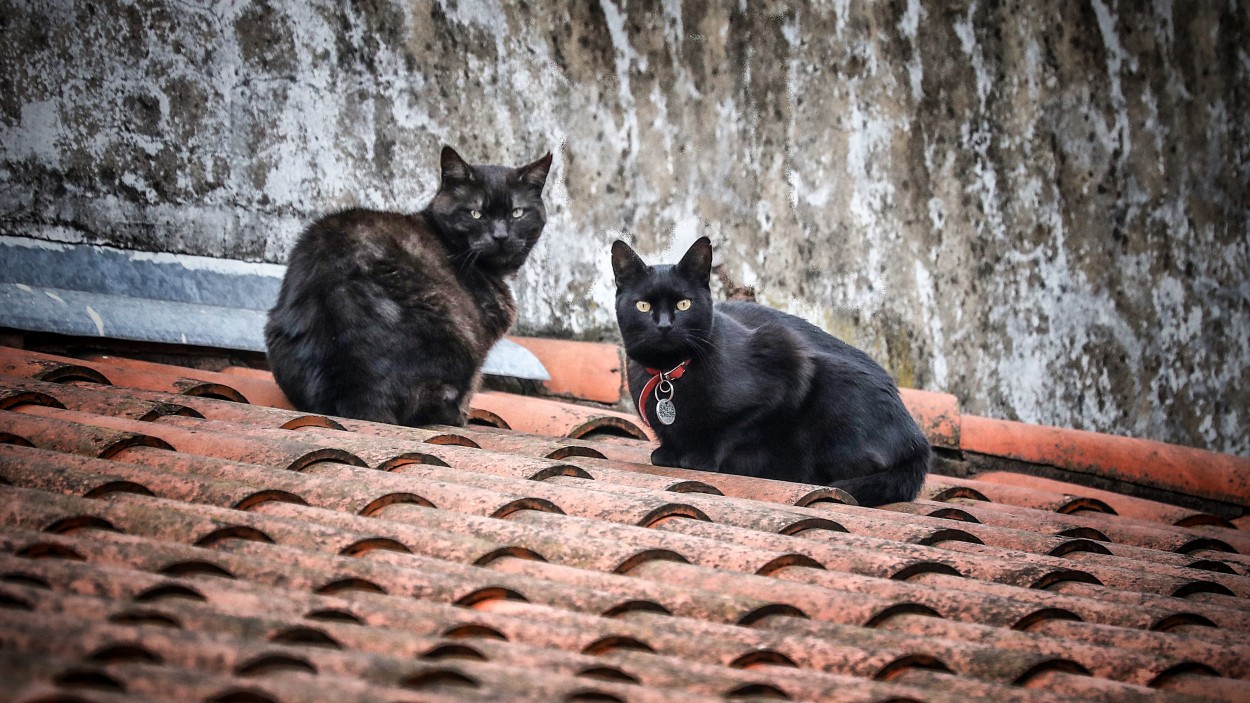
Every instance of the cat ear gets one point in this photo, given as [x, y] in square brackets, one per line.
[535, 174]
[454, 167]
[626, 266]
[697, 263]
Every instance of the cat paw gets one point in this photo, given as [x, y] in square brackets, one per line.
[664, 457]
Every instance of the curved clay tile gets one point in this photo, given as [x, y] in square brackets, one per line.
[937, 414]
[584, 370]
[1220, 477]
[481, 416]
[43, 367]
[553, 418]
[13, 397]
[253, 552]
[1126, 506]
[147, 375]
[40, 427]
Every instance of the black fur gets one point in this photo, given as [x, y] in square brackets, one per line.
[388, 317]
[765, 394]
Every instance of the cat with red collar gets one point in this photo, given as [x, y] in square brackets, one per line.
[740, 388]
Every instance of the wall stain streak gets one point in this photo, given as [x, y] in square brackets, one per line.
[1040, 207]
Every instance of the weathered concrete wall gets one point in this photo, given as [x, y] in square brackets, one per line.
[1041, 207]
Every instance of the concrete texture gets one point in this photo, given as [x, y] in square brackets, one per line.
[1040, 207]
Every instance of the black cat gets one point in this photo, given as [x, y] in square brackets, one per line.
[388, 317]
[744, 389]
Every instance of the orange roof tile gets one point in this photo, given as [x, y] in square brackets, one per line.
[585, 370]
[936, 413]
[550, 417]
[162, 538]
[1184, 470]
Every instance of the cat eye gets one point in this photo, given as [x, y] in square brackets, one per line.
[643, 306]
[683, 305]
[476, 214]
[517, 213]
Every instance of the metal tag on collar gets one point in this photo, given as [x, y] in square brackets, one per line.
[664, 408]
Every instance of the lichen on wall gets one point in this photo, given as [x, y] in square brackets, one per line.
[1040, 207]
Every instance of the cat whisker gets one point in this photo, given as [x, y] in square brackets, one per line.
[467, 260]
[702, 346]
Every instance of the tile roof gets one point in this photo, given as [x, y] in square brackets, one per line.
[175, 534]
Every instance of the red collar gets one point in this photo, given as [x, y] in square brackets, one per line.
[656, 376]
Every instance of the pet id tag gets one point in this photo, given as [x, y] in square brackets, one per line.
[666, 411]
[664, 408]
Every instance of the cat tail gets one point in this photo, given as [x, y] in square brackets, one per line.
[898, 484]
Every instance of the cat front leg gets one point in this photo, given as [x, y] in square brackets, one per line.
[751, 461]
[434, 403]
[746, 451]
[456, 404]
[665, 456]
[684, 458]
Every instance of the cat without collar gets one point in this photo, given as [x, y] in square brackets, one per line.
[388, 317]
[753, 391]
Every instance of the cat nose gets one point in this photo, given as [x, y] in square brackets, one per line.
[664, 323]
[499, 232]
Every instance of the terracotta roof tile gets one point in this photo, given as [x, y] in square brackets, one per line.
[758, 489]
[937, 414]
[1182, 469]
[254, 388]
[585, 370]
[160, 540]
[969, 513]
[1127, 506]
[551, 417]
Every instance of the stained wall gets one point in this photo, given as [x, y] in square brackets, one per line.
[1041, 207]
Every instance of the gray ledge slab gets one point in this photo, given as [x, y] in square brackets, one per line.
[94, 291]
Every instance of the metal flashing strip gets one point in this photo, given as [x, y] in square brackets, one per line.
[95, 291]
[88, 314]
